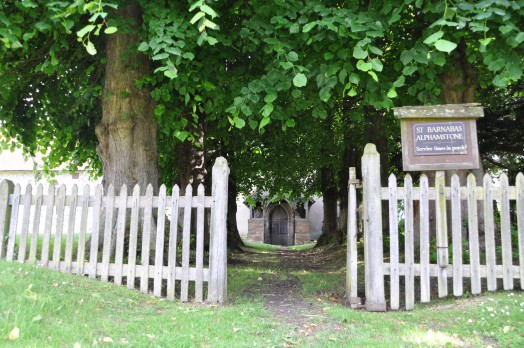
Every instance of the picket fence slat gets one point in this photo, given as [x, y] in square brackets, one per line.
[199, 296]
[352, 257]
[393, 244]
[185, 244]
[6, 188]
[505, 231]
[474, 257]
[146, 240]
[71, 229]
[133, 237]
[425, 286]
[83, 230]
[14, 224]
[95, 231]
[489, 234]
[120, 233]
[26, 202]
[409, 251]
[456, 236]
[108, 234]
[442, 234]
[173, 233]
[48, 226]
[520, 222]
[59, 228]
[36, 223]
[159, 248]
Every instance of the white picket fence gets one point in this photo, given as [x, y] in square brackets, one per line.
[21, 215]
[476, 268]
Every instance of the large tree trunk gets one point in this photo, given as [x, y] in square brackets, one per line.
[127, 133]
[459, 85]
[234, 242]
[329, 195]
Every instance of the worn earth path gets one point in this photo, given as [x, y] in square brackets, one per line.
[297, 287]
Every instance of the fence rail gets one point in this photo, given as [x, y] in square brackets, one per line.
[488, 265]
[134, 231]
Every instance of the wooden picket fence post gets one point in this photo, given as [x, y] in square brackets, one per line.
[373, 249]
[217, 291]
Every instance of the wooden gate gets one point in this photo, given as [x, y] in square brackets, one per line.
[494, 252]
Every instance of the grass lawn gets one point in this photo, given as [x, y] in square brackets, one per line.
[277, 298]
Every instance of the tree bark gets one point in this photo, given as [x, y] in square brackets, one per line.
[234, 242]
[329, 195]
[127, 133]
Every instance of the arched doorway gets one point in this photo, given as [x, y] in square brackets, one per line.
[279, 227]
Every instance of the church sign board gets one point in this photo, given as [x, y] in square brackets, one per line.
[439, 137]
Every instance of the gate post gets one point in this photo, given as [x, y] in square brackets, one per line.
[373, 248]
[217, 285]
[6, 189]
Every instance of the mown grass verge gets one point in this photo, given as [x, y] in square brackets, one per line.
[51, 309]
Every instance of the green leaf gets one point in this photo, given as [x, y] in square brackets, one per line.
[409, 70]
[286, 65]
[270, 97]
[211, 40]
[363, 66]
[170, 74]
[188, 55]
[433, 37]
[352, 92]
[392, 93]
[296, 93]
[504, 29]
[196, 17]
[300, 80]
[246, 110]
[359, 53]
[239, 123]
[267, 109]
[486, 41]
[377, 64]
[90, 48]
[324, 94]
[143, 47]
[195, 5]
[354, 78]
[110, 30]
[407, 56]
[290, 123]
[208, 10]
[160, 56]
[292, 56]
[294, 28]
[253, 124]
[400, 81]
[28, 4]
[375, 50]
[373, 75]
[308, 27]
[82, 32]
[445, 45]
[172, 50]
[263, 122]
